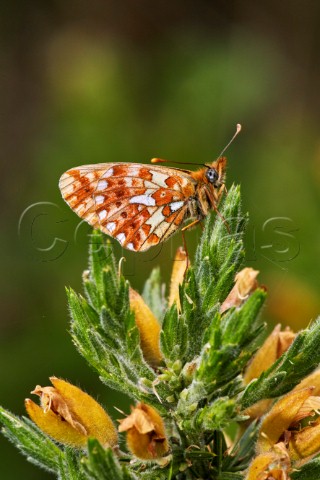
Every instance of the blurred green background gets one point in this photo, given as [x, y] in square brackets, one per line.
[89, 82]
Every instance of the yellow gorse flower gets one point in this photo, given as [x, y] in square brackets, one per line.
[147, 324]
[273, 347]
[282, 444]
[149, 329]
[146, 436]
[273, 465]
[305, 442]
[71, 416]
[178, 271]
[285, 412]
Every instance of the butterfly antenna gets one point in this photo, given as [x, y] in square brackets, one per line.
[161, 160]
[238, 130]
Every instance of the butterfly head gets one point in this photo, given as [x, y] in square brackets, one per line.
[215, 173]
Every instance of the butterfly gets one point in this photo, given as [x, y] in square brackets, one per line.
[142, 205]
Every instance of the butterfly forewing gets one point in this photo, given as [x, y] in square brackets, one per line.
[137, 204]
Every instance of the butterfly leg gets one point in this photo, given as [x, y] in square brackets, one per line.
[186, 250]
[222, 189]
[222, 218]
[215, 200]
[192, 224]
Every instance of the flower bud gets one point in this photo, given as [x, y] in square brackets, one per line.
[188, 372]
[148, 327]
[146, 436]
[71, 416]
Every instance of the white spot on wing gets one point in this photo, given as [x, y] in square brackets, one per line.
[156, 218]
[161, 229]
[134, 171]
[102, 185]
[99, 199]
[121, 237]
[102, 214]
[144, 200]
[111, 226]
[159, 178]
[130, 246]
[149, 191]
[108, 173]
[174, 206]
[89, 176]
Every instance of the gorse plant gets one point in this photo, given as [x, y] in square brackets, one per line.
[192, 367]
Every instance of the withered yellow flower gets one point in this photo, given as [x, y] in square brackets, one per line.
[273, 465]
[178, 270]
[282, 444]
[71, 416]
[285, 412]
[306, 442]
[146, 436]
[273, 347]
[245, 283]
[148, 327]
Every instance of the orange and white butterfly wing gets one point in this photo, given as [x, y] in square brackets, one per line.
[139, 205]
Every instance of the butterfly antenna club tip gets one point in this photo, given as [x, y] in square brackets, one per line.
[238, 130]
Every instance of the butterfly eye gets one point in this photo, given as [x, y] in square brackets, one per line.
[212, 175]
